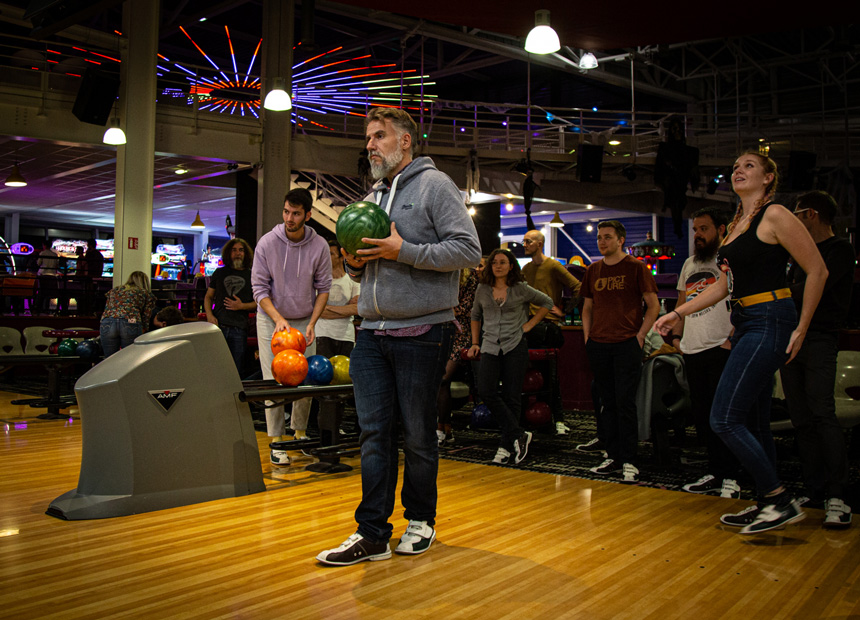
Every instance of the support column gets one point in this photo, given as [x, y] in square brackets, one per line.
[12, 228]
[274, 177]
[136, 160]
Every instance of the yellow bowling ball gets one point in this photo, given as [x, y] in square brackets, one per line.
[340, 363]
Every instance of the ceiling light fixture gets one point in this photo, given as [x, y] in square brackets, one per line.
[556, 221]
[542, 39]
[15, 179]
[277, 99]
[181, 170]
[114, 135]
[198, 223]
[587, 61]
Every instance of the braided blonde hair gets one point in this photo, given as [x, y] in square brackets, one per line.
[769, 168]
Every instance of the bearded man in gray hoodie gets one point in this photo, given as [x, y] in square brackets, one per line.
[409, 286]
[290, 279]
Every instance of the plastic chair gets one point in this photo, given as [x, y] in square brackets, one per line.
[847, 390]
[10, 341]
[34, 342]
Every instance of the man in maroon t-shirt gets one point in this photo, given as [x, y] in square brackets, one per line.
[614, 329]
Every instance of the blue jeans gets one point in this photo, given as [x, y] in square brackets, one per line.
[396, 380]
[237, 340]
[117, 333]
[505, 405]
[740, 414]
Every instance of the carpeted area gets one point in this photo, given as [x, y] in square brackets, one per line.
[557, 454]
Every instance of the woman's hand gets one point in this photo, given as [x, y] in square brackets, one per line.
[794, 343]
[664, 324]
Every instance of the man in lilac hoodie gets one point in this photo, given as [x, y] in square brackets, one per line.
[291, 278]
[409, 287]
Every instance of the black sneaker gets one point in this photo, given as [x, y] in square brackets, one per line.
[592, 447]
[353, 550]
[606, 467]
[772, 517]
[521, 446]
[742, 518]
[705, 484]
[837, 514]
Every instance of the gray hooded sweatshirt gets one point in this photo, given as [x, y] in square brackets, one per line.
[439, 239]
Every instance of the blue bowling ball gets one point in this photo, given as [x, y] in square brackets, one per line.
[88, 350]
[320, 370]
[482, 418]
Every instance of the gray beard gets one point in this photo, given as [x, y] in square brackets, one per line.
[238, 264]
[389, 163]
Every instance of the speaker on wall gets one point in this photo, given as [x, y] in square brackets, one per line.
[96, 97]
[589, 165]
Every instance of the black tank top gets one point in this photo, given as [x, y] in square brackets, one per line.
[752, 265]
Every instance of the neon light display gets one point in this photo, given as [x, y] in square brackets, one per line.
[322, 84]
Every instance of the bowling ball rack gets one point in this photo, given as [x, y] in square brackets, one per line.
[330, 446]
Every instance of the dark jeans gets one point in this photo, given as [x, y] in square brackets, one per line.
[237, 342]
[740, 414]
[395, 382]
[617, 367]
[808, 385]
[117, 333]
[505, 404]
[704, 370]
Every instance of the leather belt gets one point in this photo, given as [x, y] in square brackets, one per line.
[760, 298]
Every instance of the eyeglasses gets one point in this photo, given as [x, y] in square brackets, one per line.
[528, 241]
[799, 211]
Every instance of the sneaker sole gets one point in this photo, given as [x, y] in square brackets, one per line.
[519, 458]
[778, 526]
[836, 526]
[367, 558]
[400, 551]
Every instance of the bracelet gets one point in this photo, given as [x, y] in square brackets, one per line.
[476, 344]
[675, 336]
[679, 314]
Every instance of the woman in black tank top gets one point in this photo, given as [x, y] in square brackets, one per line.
[767, 334]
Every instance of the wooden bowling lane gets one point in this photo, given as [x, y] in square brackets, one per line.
[511, 544]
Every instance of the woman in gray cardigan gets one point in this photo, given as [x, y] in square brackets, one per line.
[502, 302]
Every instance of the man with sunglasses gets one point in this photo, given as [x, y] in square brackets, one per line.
[809, 379]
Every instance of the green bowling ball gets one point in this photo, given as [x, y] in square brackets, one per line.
[68, 346]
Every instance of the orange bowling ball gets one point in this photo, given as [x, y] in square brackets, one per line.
[289, 367]
[288, 339]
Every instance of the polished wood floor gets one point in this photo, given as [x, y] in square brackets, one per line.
[511, 544]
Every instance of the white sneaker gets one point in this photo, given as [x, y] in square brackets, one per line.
[440, 438]
[837, 514]
[503, 457]
[561, 428]
[416, 539]
[279, 457]
[629, 473]
[730, 489]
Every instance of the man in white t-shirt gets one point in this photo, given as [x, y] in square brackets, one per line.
[334, 330]
[706, 347]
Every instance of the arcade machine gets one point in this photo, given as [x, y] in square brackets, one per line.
[166, 423]
[169, 261]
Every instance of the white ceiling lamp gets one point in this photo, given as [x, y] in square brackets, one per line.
[587, 61]
[114, 135]
[542, 39]
[15, 179]
[277, 99]
[198, 223]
